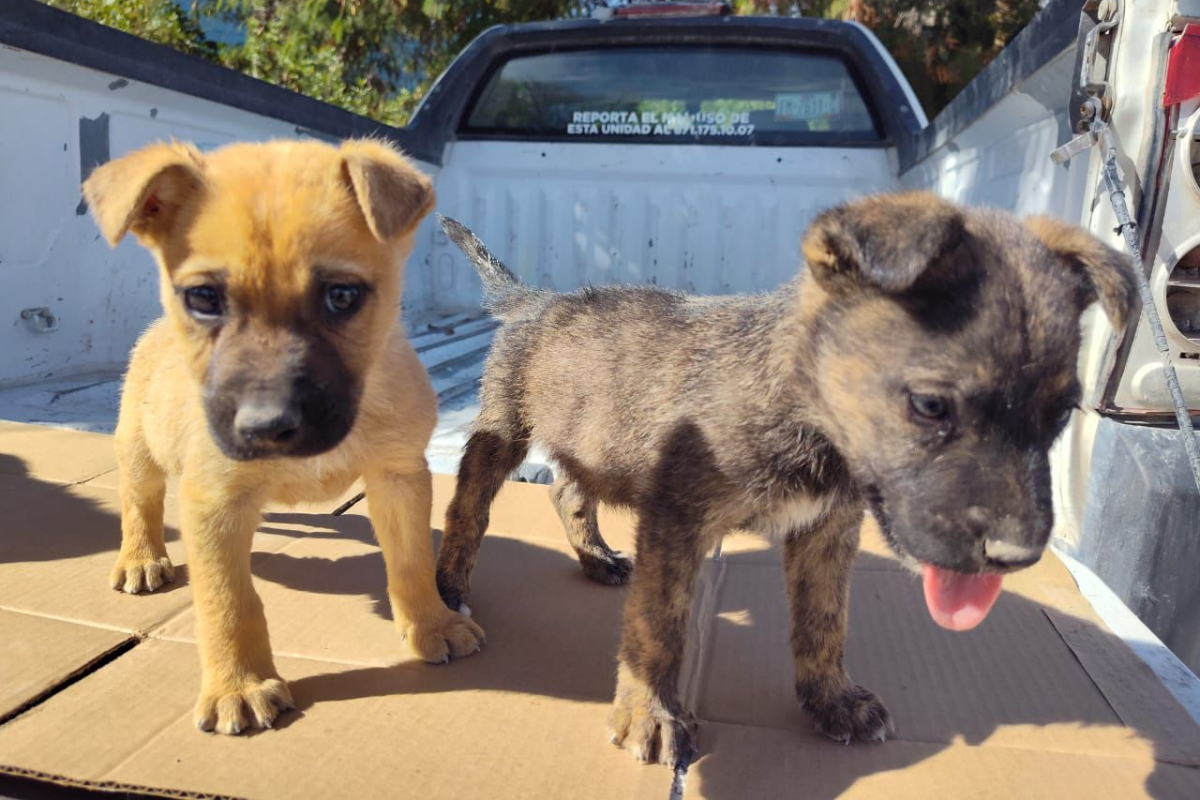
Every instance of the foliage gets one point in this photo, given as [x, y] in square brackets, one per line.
[349, 53]
[940, 45]
[162, 21]
[379, 57]
[373, 57]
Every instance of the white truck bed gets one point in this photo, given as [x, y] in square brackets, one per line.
[451, 346]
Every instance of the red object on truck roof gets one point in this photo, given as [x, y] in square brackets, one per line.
[671, 9]
[1183, 68]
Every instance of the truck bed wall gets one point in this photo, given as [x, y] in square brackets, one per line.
[57, 121]
[1126, 505]
[991, 146]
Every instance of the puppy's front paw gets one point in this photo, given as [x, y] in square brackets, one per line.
[255, 704]
[452, 635]
[854, 714]
[134, 575]
[653, 734]
[611, 568]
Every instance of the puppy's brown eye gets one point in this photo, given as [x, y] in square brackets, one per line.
[929, 407]
[343, 298]
[204, 302]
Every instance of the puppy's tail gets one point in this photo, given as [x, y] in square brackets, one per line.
[504, 296]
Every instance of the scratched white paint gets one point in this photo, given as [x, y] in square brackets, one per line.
[700, 218]
[1002, 159]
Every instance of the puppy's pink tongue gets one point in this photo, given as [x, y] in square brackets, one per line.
[958, 602]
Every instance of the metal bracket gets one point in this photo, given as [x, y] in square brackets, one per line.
[1080, 144]
[1091, 97]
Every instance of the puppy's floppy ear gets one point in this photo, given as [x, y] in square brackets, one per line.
[144, 191]
[1106, 274]
[393, 194]
[887, 241]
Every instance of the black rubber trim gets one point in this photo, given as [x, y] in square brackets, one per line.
[38, 28]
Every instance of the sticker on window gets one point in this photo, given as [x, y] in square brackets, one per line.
[654, 123]
[808, 106]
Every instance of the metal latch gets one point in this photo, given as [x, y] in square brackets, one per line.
[41, 320]
[1091, 97]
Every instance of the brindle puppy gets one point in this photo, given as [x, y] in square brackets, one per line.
[921, 366]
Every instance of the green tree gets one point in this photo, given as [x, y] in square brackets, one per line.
[939, 45]
[373, 57]
[162, 21]
[379, 57]
[350, 53]
[942, 44]
[437, 30]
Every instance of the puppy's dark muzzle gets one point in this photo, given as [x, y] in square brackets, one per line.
[289, 425]
[971, 542]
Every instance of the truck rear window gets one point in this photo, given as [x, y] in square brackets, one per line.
[675, 94]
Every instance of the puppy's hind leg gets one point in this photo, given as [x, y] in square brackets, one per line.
[817, 563]
[648, 718]
[578, 514]
[142, 565]
[490, 455]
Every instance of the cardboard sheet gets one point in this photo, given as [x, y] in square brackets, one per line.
[96, 687]
[45, 653]
[54, 455]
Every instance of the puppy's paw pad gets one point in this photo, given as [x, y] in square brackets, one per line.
[137, 575]
[612, 569]
[856, 715]
[653, 736]
[452, 636]
[256, 705]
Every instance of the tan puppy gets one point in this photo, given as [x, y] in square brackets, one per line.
[278, 374]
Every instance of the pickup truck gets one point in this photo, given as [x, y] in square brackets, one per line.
[689, 152]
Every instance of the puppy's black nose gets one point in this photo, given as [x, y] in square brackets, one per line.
[258, 423]
[1007, 554]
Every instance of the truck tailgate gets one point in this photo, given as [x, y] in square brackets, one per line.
[701, 218]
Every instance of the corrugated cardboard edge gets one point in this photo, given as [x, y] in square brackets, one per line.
[107, 786]
[1131, 688]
